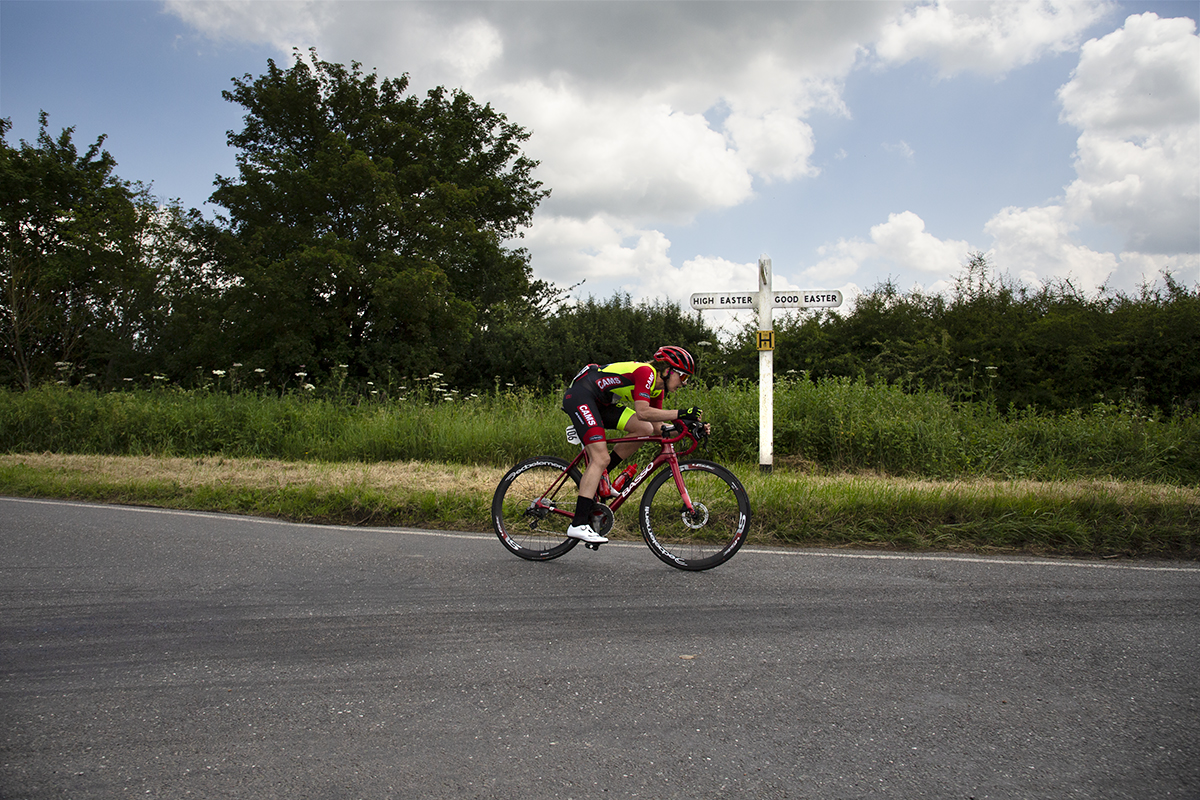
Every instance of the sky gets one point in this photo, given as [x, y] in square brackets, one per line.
[850, 142]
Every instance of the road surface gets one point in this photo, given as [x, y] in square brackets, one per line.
[149, 653]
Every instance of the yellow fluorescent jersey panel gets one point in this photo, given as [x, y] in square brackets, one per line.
[638, 380]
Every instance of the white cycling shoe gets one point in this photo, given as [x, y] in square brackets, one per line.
[584, 533]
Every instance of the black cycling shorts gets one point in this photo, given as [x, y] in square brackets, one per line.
[590, 416]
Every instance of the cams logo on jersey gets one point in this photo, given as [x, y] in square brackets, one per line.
[604, 384]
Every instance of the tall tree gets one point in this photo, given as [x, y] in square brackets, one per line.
[367, 226]
[70, 277]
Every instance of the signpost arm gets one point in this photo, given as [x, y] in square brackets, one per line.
[766, 370]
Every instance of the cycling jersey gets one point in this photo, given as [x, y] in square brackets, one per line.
[592, 400]
[628, 381]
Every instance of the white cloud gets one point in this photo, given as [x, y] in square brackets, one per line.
[1136, 98]
[616, 96]
[629, 157]
[1139, 268]
[283, 24]
[901, 148]
[839, 261]
[900, 244]
[703, 274]
[766, 55]
[774, 145]
[1038, 244]
[989, 38]
[1139, 80]
[903, 240]
[473, 46]
[598, 249]
[1148, 190]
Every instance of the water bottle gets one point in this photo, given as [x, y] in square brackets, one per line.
[625, 477]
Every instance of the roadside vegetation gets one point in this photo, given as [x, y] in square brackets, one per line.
[828, 426]
[856, 464]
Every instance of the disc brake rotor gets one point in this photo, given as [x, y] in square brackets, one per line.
[697, 518]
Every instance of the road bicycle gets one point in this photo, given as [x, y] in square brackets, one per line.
[694, 515]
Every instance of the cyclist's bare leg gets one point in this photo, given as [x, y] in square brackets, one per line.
[597, 456]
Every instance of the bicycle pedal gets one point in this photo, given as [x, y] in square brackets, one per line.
[592, 545]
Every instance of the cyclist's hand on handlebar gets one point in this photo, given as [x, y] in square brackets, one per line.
[692, 426]
[692, 414]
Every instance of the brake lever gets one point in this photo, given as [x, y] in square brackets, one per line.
[697, 429]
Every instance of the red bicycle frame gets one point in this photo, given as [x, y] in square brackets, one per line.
[666, 455]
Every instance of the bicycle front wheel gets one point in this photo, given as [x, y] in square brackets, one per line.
[533, 506]
[709, 534]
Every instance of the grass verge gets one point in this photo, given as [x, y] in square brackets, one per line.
[1072, 518]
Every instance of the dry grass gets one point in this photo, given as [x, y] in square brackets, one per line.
[264, 473]
[384, 476]
[1055, 492]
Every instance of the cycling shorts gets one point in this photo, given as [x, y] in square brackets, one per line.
[590, 416]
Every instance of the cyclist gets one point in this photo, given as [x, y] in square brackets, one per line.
[592, 404]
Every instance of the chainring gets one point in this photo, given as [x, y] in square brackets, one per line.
[601, 519]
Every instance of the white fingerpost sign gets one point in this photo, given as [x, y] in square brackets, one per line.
[766, 368]
[764, 300]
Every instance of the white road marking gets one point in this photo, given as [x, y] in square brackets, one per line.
[774, 551]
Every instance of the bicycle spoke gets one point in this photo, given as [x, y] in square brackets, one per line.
[533, 506]
[705, 536]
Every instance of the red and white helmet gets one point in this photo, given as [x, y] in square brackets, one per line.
[677, 357]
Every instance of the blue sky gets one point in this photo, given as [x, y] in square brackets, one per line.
[851, 142]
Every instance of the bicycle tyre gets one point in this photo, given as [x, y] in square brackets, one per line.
[710, 536]
[533, 530]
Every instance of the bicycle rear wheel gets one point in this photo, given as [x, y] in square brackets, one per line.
[533, 506]
[705, 537]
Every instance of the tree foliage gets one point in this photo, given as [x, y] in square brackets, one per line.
[77, 292]
[544, 350]
[366, 226]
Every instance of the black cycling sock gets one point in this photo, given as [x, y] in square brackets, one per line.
[583, 511]
[613, 461]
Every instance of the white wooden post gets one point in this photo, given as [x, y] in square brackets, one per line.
[766, 368]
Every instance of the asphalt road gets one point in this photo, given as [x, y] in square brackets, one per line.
[149, 653]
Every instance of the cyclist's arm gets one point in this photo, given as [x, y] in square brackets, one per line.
[644, 410]
[648, 406]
